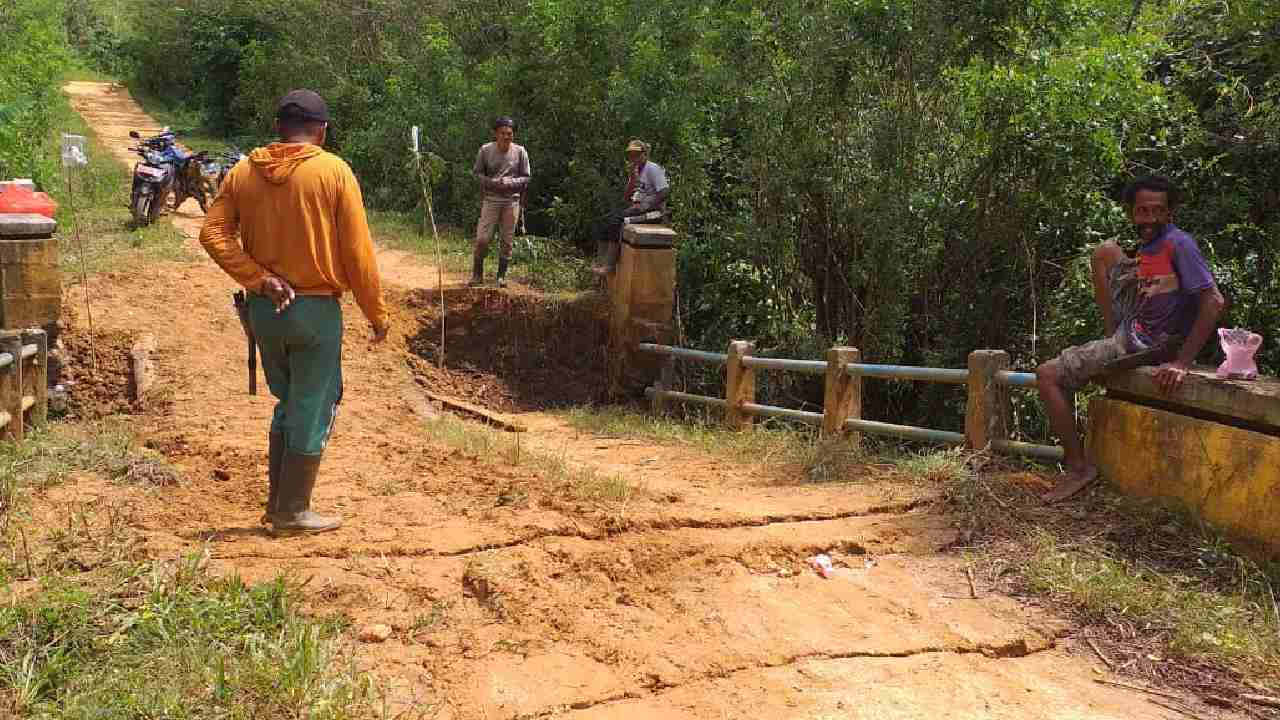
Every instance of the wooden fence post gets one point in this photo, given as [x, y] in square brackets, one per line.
[11, 386]
[38, 381]
[986, 416]
[842, 394]
[739, 385]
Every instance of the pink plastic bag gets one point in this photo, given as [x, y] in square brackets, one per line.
[1239, 346]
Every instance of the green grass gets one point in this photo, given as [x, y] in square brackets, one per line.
[767, 443]
[91, 628]
[565, 479]
[1155, 584]
[168, 640]
[541, 263]
[403, 231]
[1199, 618]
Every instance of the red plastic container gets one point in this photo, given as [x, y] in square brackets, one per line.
[18, 199]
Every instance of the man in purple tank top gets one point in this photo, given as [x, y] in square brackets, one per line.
[1159, 306]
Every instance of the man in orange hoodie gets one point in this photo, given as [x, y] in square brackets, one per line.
[303, 242]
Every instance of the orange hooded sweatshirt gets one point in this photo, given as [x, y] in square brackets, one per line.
[300, 216]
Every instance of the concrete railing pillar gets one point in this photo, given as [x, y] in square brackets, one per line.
[642, 302]
[739, 385]
[11, 386]
[986, 416]
[842, 394]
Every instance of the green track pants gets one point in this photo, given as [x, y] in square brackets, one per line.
[302, 358]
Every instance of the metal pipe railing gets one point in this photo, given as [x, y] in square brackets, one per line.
[807, 367]
[701, 356]
[910, 372]
[1016, 379]
[1040, 452]
[649, 392]
[952, 376]
[906, 432]
[811, 418]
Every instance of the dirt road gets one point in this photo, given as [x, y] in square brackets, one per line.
[514, 595]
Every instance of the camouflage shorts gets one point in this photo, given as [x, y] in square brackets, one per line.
[1081, 363]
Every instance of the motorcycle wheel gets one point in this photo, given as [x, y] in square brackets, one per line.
[140, 209]
[154, 208]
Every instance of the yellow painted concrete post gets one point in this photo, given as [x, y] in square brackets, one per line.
[11, 386]
[642, 299]
[739, 385]
[842, 394]
[986, 415]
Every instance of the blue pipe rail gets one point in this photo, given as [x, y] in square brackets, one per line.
[906, 432]
[807, 367]
[812, 418]
[701, 356]
[1040, 452]
[1016, 379]
[649, 392]
[910, 372]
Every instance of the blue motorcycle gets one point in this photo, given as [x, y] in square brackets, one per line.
[154, 176]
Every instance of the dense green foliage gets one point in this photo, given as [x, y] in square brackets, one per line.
[34, 59]
[918, 178]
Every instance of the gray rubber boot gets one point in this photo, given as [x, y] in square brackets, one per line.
[293, 514]
[275, 456]
[502, 271]
[477, 271]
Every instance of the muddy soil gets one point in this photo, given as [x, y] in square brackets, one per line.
[512, 351]
[515, 595]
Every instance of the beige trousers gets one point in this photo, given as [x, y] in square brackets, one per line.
[496, 215]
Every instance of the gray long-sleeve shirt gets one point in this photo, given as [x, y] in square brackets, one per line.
[493, 165]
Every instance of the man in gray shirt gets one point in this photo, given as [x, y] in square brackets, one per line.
[502, 167]
[645, 198]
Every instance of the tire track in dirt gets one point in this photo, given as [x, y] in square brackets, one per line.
[693, 601]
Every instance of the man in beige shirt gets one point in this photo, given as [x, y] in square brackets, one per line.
[502, 167]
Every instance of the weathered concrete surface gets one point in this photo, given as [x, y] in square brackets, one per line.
[1251, 401]
[26, 225]
[642, 299]
[30, 281]
[1228, 476]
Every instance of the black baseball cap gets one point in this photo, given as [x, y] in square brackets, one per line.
[303, 105]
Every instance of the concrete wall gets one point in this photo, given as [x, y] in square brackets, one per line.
[1226, 475]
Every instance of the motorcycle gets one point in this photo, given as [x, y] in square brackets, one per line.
[154, 176]
[228, 160]
[196, 177]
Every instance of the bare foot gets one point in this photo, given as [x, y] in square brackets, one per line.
[1071, 483]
